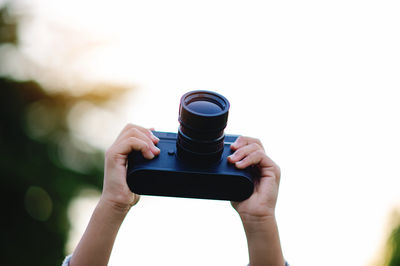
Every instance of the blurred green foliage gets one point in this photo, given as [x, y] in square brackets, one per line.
[394, 246]
[36, 185]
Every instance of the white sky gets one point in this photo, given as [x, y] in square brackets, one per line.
[316, 81]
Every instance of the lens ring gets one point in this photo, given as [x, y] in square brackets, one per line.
[203, 116]
[203, 111]
[201, 146]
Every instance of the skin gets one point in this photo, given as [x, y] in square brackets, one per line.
[257, 212]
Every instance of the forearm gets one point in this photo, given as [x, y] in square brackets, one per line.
[96, 243]
[263, 241]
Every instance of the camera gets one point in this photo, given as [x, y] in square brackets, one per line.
[193, 162]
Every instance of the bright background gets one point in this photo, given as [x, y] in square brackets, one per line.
[318, 82]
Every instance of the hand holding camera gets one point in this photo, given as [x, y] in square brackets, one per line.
[261, 204]
[201, 162]
[198, 162]
[115, 189]
[194, 162]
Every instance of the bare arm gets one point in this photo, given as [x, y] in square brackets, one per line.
[116, 200]
[96, 243]
[263, 242]
[258, 212]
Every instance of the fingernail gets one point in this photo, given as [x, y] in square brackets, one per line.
[154, 150]
[154, 137]
[239, 163]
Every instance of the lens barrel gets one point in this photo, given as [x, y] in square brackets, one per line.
[203, 116]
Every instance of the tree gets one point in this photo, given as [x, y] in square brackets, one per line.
[36, 184]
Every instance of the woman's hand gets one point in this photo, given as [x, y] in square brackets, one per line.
[96, 244]
[261, 204]
[115, 189]
[258, 211]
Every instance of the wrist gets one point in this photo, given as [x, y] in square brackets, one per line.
[258, 224]
[263, 241]
[254, 210]
[256, 216]
[114, 208]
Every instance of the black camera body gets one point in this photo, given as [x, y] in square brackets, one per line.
[167, 175]
[193, 162]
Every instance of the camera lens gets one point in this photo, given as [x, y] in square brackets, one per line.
[202, 116]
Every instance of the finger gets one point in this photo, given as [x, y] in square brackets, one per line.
[239, 142]
[122, 149]
[153, 137]
[136, 132]
[129, 128]
[265, 164]
[244, 151]
[124, 130]
[243, 141]
[257, 157]
[147, 132]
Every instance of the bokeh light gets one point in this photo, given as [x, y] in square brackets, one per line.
[38, 203]
[316, 81]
